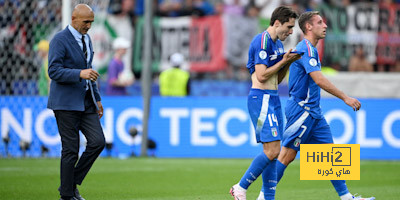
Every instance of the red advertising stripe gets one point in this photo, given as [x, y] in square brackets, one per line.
[388, 44]
[206, 48]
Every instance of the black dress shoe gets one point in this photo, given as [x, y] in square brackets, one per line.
[77, 195]
[72, 198]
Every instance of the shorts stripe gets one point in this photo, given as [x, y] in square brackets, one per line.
[301, 103]
[296, 125]
[263, 113]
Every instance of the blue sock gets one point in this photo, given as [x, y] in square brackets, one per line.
[280, 168]
[269, 181]
[256, 168]
[340, 187]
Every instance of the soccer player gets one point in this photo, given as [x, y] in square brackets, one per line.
[305, 122]
[267, 67]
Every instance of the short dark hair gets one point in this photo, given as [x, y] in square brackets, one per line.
[306, 18]
[282, 14]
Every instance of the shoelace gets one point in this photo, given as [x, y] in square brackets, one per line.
[357, 197]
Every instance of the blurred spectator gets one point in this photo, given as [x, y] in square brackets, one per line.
[122, 23]
[122, 7]
[382, 68]
[219, 7]
[397, 66]
[204, 7]
[139, 7]
[175, 81]
[267, 7]
[118, 77]
[241, 24]
[170, 8]
[313, 4]
[44, 80]
[175, 8]
[235, 7]
[304, 5]
[359, 62]
[16, 47]
[252, 11]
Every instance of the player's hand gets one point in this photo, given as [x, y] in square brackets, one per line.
[352, 102]
[100, 111]
[289, 57]
[89, 74]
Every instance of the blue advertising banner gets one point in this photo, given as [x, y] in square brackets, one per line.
[217, 127]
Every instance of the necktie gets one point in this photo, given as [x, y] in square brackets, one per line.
[85, 52]
[84, 46]
[88, 86]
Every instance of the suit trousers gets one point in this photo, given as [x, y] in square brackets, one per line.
[69, 124]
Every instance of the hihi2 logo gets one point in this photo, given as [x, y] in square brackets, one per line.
[329, 162]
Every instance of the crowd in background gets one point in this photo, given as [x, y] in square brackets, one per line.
[261, 8]
[23, 24]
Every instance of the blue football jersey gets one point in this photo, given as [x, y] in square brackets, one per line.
[302, 88]
[263, 50]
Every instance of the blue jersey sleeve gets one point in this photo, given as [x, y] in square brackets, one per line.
[263, 50]
[265, 56]
[262, 57]
[310, 61]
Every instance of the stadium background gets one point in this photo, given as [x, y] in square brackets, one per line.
[210, 123]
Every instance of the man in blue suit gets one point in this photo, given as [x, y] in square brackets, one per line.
[75, 100]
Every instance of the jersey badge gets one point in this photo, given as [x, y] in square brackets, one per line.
[313, 62]
[297, 142]
[263, 55]
[274, 132]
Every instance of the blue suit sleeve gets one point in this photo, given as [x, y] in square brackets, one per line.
[57, 71]
[96, 91]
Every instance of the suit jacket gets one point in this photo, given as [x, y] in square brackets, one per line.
[66, 60]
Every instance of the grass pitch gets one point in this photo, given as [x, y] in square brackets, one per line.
[182, 179]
